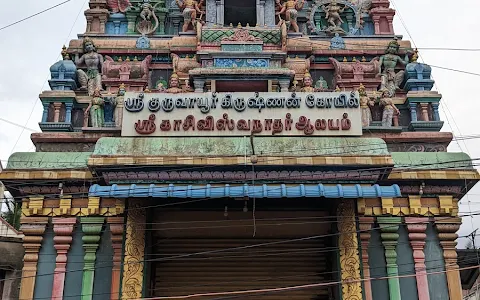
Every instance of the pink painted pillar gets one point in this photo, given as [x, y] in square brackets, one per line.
[63, 229]
[417, 236]
[117, 227]
[366, 224]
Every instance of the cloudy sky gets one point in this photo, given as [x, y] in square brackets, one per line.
[31, 47]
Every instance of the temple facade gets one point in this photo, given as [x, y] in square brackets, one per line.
[260, 149]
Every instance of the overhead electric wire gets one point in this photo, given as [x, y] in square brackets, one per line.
[440, 266]
[46, 79]
[36, 14]
[294, 240]
[146, 187]
[172, 158]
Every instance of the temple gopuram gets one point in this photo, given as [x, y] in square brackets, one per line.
[253, 149]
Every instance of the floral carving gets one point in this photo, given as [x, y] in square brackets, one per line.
[349, 256]
[242, 36]
[134, 252]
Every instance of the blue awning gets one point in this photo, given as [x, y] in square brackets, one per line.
[246, 190]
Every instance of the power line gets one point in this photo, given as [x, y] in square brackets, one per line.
[267, 279]
[18, 125]
[398, 170]
[308, 238]
[455, 70]
[36, 14]
[46, 79]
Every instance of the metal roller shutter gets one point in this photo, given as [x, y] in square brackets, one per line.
[270, 266]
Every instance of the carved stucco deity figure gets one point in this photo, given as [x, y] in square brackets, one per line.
[118, 6]
[307, 83]
[190, 8]
[389, 108]
[365, 103]
[147, 10]
[149, 21]
[332, 14]
[291, 8]
[365, 5]
[118, 103]
[388, 62]
[174, 85]
[278, 8]
[97, 114]
[90, 80]
[321, 85]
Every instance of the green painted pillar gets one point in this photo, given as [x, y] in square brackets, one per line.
[389, 232]
[91, 228]
[132, 19]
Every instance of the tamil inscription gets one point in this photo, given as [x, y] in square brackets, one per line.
[242, 114]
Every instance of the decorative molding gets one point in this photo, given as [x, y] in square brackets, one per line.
[91, 228]
[68, 206]
[432, 189]
[162, 176]
[43, 189]
[417, 228]
[349, 257]
[413, 147]
[116, 231]
[133, 264]
[241, 35]
[366, 224]
[389, 227]
[413, 205]
[46, 175]
[240, 160]
[63, 229]
[434, 174]
[447, 235]
[33, 229]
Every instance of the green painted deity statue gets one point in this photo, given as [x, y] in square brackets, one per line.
[97, 115]
[392, 80]
[91, 79]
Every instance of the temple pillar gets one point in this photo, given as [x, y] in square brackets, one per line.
[220, 5]
[417, 228]
[116, 230]
[447, 235]
[366, 224]
[131, 19]
[389, 227]
[33, 229]
[348, 245]
[284, 84]
[91, 228]
[413, 111]
[199, 84]
[68, 112]
[133, 264]
[46, 106]
[390, 23]
[376, 22]
[260, 13]
[63, 229]
[57, 106]
[436, 114]
[424, 110]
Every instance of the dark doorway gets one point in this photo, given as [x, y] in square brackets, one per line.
[243, 12]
